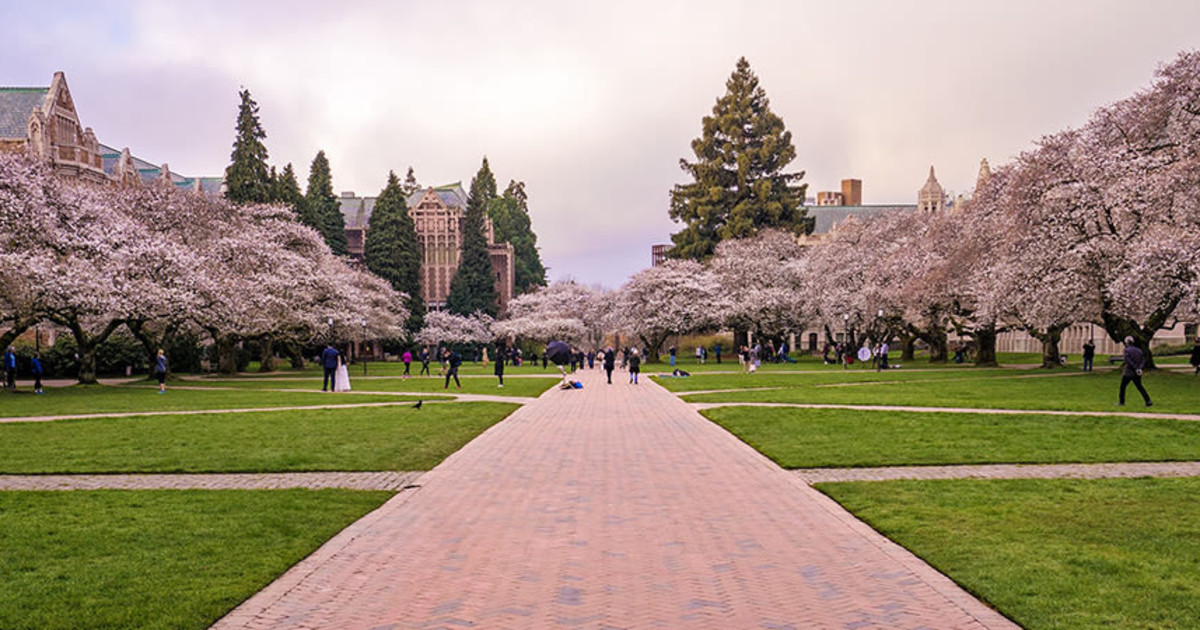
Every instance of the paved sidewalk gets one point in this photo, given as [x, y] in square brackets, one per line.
[248, 481]
[1005, 471]
[610, 507]
[980, 410]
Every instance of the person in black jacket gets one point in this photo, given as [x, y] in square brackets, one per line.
[452, 361]
[1135, 360]
[329, 361]
[635, 366]
[610, 361]
[501, 354]
[1195, 358]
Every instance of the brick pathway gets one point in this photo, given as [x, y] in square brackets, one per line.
[267, 481]
[1004, 471]
[610, 507]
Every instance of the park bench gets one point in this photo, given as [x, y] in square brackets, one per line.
[1116, 358]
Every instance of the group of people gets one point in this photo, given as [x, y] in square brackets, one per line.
[10, 370]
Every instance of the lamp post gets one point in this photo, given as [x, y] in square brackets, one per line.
[845, 340]
[363, 342]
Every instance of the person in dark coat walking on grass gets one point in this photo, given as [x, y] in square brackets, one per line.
[35, 366]
[1195, 358]
[425, 362]
[610, 361]
[1135, 360]
[501, 353]
[452, 361]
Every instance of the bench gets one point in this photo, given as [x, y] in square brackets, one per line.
[1116, 358]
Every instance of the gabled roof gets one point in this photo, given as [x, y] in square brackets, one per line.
[16, 104]
[452, 195]
[356, 211]
[150, 172]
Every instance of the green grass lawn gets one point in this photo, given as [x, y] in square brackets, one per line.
[362, 439]
[87, 399]
[522, 386]
[155, 559]
[1062, 554]
[1002, 389]
[817, 438]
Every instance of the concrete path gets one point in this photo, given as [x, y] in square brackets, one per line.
[1005, 471]
[611, 507]
[395, 481]
[1014, 412]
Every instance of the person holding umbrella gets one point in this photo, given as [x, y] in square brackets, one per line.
[560, 355]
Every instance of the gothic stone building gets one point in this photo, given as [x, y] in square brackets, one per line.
[44, 121]
[437, 214]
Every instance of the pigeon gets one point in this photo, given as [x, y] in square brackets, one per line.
[418, 405]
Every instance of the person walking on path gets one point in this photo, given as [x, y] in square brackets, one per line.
[407, 359]
[329, 361]
[451, 360]
[610, 362]
[425, 362]
[160, 371]
[499, 369]
[10, 369]
[36, 367]
[1135, 360]
[1195, 358]
[635, 366]
[1089, 354]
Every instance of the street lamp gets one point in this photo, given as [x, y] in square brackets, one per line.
[845, 340]
[363, 342]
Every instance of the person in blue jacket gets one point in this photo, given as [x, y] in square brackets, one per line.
[329, 361]
[35, 366]
[10, 369]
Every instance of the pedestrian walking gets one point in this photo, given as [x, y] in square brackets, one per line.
[329, 361]
[610, 362]
[36, 367]
[671, 350]
[883, 356]
[635, 366]
[407, 359]
[1135, 360]
[717, 351]
[499, 369]
[1195, 358]
[160, 371]
[10, 369]
[425, 362]
[1089, 354]
[451, 360]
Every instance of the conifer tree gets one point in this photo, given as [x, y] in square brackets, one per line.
[324, 209]
[511, 224]
[247, 179]
[473, 287]
[739, 185]
[287, 191]
[410, 185]
[391, 250]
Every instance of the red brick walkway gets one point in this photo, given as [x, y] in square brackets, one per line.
[610, 507]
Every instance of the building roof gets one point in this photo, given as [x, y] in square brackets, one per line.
[825, 217]
[16, 104]
[356, 211]
[149, 172]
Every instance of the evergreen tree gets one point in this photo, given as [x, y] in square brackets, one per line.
[739, 184]
[511, 224]
[287, 191]
[246, 178]
[391, 251]
[473, 287]
[324, 209]
[410, 185]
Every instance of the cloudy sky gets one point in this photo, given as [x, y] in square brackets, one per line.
[591, 104]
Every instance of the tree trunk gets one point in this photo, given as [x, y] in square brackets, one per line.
[985, 338]
[88, 345]
[267, 346]
[1118, 328]
[908, 347]
[19, 327]
[938, 344]
[741, 337]
[296, 355]
[151, 344]
[226, 355]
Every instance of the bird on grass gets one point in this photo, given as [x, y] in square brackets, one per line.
[418, 405]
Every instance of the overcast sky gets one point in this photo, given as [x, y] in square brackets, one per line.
[591, 104]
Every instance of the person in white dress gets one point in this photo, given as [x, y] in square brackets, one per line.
[341, 378]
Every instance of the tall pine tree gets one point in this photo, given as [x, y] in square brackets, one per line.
[247, 179]
[324, 210]
[391, 250]
[739, 183]
[287, 191]
[410, 184]
[473, 287]
[511, 224]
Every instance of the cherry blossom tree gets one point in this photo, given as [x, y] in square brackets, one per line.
[762, 283]
[675, 298]
[446, 327]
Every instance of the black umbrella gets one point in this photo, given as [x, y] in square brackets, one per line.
[558, 353]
